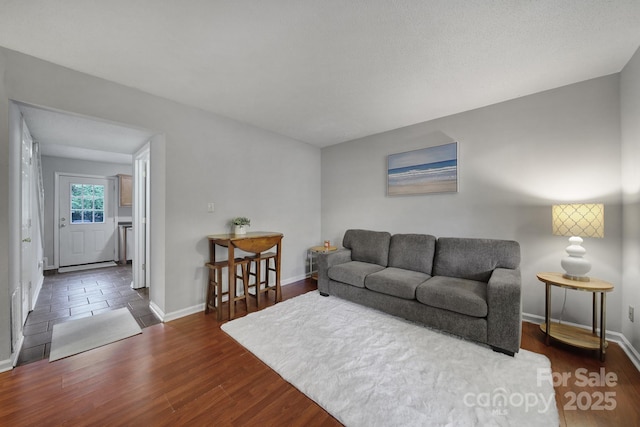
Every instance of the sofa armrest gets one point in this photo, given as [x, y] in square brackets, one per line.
[504, 320]
[326, 260]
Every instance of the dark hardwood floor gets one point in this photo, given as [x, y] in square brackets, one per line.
[189, 372]
[584, 398]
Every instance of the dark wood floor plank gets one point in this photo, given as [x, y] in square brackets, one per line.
[567, 360]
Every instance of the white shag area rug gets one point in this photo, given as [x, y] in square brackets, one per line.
[77, 336]
[367, 368]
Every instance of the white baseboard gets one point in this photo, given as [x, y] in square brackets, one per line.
[6, 365]
[293, 280]
[167, 317]
[36, 293]
[86, 266]
[9, 364]
[157, 311]
[198, 308]
[47, 266]
[18, 349]
[616, 337]
[13, 360]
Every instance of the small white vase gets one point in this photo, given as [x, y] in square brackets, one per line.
[240, 229]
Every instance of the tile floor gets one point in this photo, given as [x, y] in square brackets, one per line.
[69, 296]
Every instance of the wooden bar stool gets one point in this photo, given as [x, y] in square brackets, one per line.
[259, 285]
[214, 290]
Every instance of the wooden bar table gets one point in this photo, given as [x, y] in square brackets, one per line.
[253, 242]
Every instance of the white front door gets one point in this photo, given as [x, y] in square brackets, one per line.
[86, 220]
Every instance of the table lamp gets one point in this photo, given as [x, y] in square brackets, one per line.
[577, 221]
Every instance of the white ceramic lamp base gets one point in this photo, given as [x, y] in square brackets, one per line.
[575, 265]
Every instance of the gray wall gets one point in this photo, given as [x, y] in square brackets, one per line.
[516, 159]
[630, 122]
[5, 296]
[198, 157]
[51, 165]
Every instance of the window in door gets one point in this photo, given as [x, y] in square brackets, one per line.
[87, 204]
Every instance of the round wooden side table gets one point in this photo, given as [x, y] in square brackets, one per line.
[312, 252]
[577, 337]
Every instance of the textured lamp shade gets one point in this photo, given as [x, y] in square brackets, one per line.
[583, 220]
[577, 221]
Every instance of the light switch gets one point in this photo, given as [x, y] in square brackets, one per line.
[210, 207]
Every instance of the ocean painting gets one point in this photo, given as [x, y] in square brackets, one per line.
[429, 170]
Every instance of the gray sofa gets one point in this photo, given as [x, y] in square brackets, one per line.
[467, 287]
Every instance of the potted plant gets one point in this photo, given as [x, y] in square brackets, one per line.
[240, 224]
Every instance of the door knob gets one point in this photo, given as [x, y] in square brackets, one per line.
[62, 225]
[27, 240]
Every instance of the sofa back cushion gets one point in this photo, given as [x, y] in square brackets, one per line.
[368, 246]
[474, 259]
[412, 252]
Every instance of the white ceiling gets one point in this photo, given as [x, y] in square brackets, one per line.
[77, 137]
[327, 71]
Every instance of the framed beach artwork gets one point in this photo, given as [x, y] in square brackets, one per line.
[425, 171]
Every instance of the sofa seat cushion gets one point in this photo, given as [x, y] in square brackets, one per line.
[353, 272]
[463, 296]
[396, 281]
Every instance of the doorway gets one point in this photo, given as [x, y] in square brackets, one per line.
[86, 219]
[141, 222]
[26, 256]
[64, 135]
